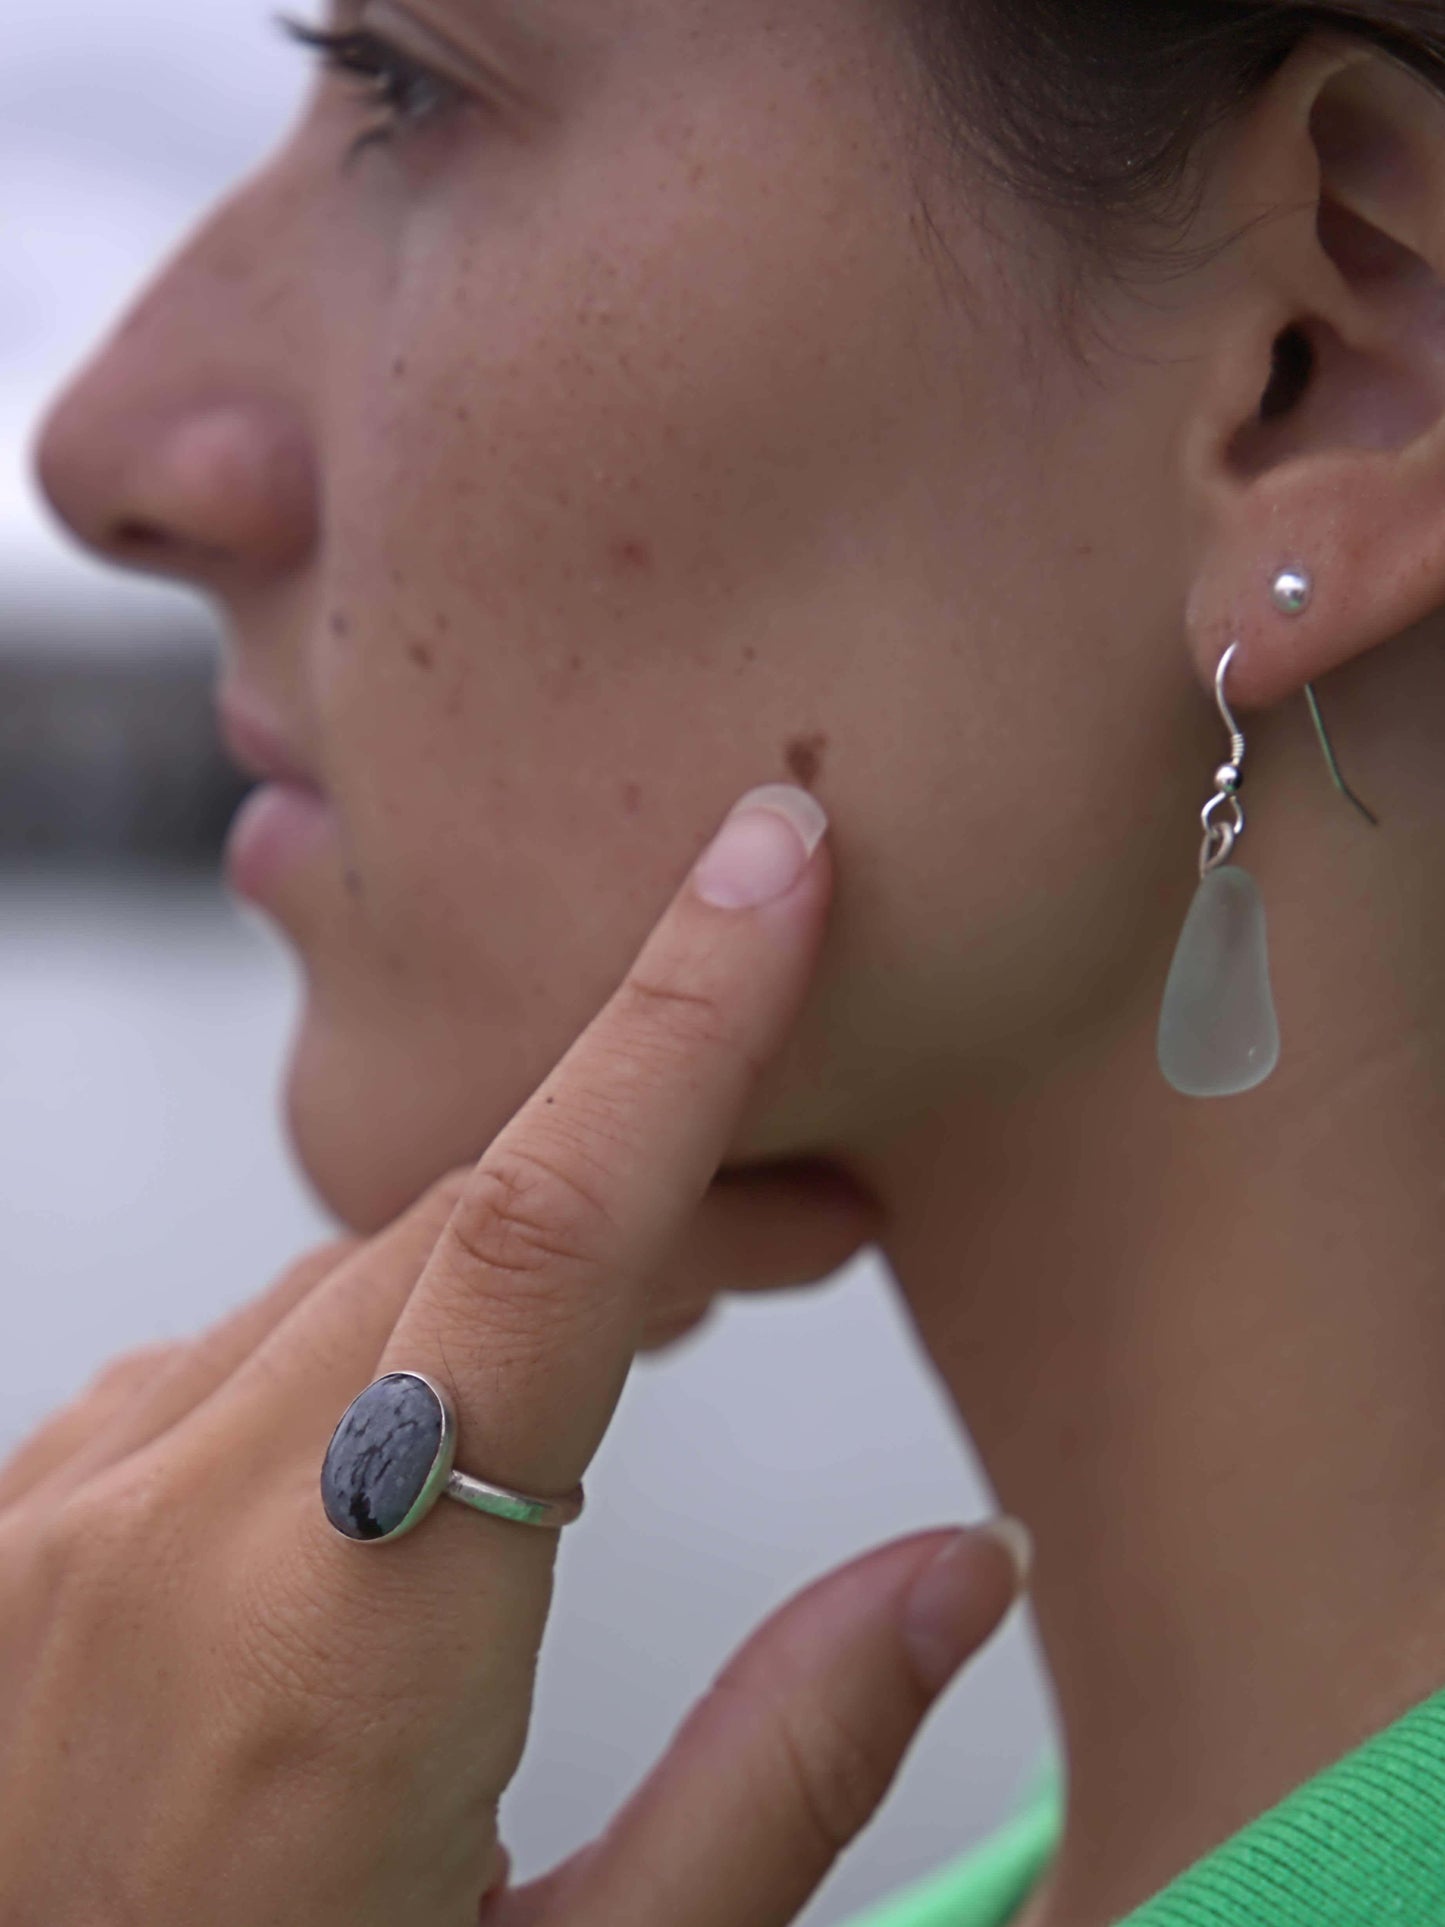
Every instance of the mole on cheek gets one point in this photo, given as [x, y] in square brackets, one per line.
[421, 655]
[804, 757]
[632, 798]
[340, 623]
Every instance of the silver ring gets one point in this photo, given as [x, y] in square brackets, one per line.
[390, 1460]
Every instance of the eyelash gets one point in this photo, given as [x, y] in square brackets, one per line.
[391, 72]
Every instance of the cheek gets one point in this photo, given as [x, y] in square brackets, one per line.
[642, 501]
[582, 489]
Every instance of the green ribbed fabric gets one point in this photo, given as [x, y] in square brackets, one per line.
[988, 1886]
[1360, 1845]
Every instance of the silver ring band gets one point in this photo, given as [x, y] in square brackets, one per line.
[503, 1504]
[391, 1458]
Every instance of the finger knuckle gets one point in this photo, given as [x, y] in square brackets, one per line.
[35, 1547]
[116, 1509]
[681, 1021]
[527, 1216]
[113, 1533]
[838, 1779]
[131, 1369]
[314, 1265]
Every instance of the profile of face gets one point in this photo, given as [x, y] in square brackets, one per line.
[626, 429]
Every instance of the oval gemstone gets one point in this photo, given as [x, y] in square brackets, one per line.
[381, 1455]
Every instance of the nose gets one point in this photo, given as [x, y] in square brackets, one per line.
[181, 447]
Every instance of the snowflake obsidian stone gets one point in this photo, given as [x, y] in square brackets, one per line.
[387, 1454]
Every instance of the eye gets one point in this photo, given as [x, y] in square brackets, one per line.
[410, 92]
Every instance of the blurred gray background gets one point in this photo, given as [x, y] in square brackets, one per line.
[146, 1184]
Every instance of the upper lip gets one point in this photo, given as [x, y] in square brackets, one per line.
[258, 743]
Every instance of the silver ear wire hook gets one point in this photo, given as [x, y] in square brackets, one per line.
[1340, 782]
[1227, 780]
[1293, 590]
[1236, 737]
[1229, 777]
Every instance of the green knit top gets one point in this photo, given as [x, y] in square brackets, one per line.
[1360, 1845]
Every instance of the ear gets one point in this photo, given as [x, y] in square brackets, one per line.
[1315, 435]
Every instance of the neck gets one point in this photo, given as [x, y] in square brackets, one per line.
[1199, 1346]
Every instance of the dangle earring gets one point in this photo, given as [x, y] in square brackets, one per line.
[1218, 1034]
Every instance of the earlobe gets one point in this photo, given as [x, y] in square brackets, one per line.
[1319, 435]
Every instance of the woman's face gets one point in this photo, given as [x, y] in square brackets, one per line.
[622, 436]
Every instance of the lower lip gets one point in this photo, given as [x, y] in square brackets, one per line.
[276, 828]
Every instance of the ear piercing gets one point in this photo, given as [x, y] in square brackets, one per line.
[1293, 591]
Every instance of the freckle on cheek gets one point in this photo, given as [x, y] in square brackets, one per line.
[632, 798]
[804, 757]
[398, 367]
[340, 623]
[632, 554]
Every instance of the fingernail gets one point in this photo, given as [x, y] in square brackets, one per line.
[762, 849]
[1017, 1541]
[942, 1619]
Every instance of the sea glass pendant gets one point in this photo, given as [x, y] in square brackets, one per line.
[1218, 1033]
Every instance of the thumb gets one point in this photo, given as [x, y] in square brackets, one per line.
[793, 1749]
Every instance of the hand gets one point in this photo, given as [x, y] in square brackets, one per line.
[219, 1711]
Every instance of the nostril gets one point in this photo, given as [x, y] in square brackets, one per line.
[137, 535]
[155, 549]
[181, 489]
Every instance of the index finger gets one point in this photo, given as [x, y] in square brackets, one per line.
[530, 1306]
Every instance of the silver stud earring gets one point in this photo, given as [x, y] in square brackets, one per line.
[1218, 1033]
[1293, 591]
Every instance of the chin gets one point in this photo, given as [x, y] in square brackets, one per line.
[360, 1140]
[373, 1119]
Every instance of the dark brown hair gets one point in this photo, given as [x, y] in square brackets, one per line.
[1093, 109]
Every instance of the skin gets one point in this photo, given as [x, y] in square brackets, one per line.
[562, 473]
[281, 1725]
